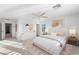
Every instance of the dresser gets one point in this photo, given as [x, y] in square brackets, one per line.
[73, 40]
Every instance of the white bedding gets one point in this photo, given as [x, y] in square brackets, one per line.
[61, 39]
[49, 45]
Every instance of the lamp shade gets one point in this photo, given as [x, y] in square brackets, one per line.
[72, 32]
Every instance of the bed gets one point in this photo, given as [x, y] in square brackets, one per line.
[52, 44]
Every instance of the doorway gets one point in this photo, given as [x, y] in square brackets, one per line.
[8, 30]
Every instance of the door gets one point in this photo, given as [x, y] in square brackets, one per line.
[0, 31]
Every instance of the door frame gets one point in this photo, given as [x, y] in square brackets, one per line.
[0, 31]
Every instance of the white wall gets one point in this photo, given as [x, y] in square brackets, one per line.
[22, 33]
[68, 23]
[72, 22]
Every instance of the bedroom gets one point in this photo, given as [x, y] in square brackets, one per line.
[49, 27]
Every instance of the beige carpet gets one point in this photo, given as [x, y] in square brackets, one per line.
[14, 47]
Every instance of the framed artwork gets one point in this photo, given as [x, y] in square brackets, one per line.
[29, 27]
[57, 23]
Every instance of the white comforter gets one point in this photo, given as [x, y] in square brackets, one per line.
[60, 39]
[49, 45]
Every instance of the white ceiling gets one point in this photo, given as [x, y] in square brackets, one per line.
[16, 10]
[11, 10]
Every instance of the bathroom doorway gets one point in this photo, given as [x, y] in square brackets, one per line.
[8, 30]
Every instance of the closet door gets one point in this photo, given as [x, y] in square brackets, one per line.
[0, 31]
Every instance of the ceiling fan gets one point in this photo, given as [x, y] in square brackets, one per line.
[57, 6]
[40, 14]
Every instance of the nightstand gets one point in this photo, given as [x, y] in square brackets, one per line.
[72, 40]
